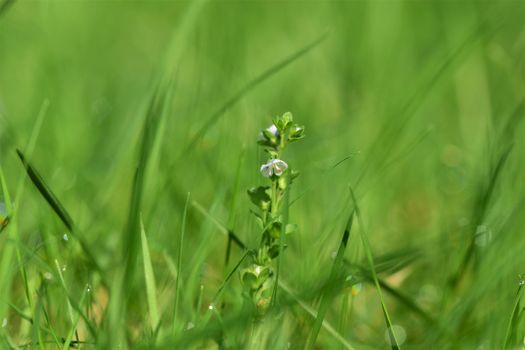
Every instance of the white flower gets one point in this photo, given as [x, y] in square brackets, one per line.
[273, 129]
[274, 167]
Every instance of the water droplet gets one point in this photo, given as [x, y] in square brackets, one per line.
[88, 288]
[64, 268]
[398, 332]
[211, 307]
[521, 281]
[65, 237]
[48, 276]
[483, 235]
[190, 325]
[4, 322]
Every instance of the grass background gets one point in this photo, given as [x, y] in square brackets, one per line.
[424, 97]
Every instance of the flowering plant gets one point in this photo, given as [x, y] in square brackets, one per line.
[259, 277]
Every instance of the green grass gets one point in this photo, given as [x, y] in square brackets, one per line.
[112, 112]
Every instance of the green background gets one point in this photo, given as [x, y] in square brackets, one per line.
[422, 99]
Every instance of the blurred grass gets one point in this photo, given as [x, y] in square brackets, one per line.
[426, 96]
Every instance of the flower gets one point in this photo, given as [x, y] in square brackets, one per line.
[271, 129]
[274, 167]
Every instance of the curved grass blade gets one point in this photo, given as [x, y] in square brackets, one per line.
[513, 316]
[58, 208]
[330, 293]
[481, 207]
[121, 290]
[215, 116]
[389, 134]
[370, 258]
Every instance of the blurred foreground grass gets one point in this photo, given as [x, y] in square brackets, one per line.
[424, 100]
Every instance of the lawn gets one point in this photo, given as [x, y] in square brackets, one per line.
[155, 192]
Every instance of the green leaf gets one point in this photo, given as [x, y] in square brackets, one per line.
[287, 118]
[274, 230]
[260, 197]
[296, 133]
[291, 228]
[283, 122]
[269, 136]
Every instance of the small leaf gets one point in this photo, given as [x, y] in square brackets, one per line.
[272, 153]
[260, 197]
[269, 136]
[291, 228]
[249, 278]
[283, 122]
[296, 133]
[275, 230]
[287, 118]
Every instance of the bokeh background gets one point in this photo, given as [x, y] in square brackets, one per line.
[423, 101]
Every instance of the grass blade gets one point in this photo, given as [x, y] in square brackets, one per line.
[5, 5]
[131, 235]
[151, 289]
[513, 317]
[480, 210]
[282, 284]
[215, 116]
[329, 295]
[46, 192]
[179, 262]
[57, 207]
[74, 324]
[370, 258]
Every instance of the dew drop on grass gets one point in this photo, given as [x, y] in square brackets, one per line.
[522, 283]
[48, 276]
[211, 307]
[88, 288]
[4, 322]
[399, 333]
[190, 325]
[65, 237]
[64, 268]
[483, 235]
